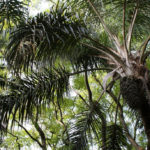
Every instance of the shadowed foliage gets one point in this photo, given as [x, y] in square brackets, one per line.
[12, 11]
[111, 35]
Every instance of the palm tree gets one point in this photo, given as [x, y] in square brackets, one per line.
[92, 45]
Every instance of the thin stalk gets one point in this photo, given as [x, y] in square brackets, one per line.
[124, 35]
[88, 89]
[144, 49]
[82, 71]
[34, 139]
[130, 30]
[112, 37]
[109, 53]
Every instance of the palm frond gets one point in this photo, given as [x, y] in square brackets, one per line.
[25, 94]
[32, 92]
[88, 124]
[78, 136]
[112, 11]
[44, 37]
[83, 57]
[12, 11]
[116, 138]
[92, 124]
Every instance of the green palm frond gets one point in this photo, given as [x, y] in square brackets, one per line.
[112, 11]
[32, 92]
[84, 57]
[78, 136]
[110, 8]
[44, 37]
[88, 124]
[142, 19]
[12, 11]
[23, 95]
[92, 124]
[116, 138]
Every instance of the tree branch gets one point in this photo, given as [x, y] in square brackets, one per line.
[102, 46]
[80, 96]
[88, 89]
[104, 126]
[135, 128]
[110, 85]
[17, 138]
[98, 81]
[124, 14]
[116, 115]
[41, 133]
[62, 123]
[34, 139]
[82, 71]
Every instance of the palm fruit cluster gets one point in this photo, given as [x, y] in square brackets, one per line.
[132, 90]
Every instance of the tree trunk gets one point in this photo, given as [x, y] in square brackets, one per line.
[145, 115]
[135, 95]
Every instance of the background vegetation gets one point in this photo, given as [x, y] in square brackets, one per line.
[75, 76]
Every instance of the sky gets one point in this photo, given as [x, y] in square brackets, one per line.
[38, 7]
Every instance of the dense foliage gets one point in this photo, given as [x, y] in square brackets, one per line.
[76, 80]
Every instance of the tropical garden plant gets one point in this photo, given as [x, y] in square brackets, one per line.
[45, 52]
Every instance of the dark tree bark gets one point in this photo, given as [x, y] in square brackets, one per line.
[134, 93]
[145, 115]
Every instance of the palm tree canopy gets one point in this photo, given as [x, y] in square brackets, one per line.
[102, 36]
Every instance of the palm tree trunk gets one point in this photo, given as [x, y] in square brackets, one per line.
[145, 115]
[134, 94]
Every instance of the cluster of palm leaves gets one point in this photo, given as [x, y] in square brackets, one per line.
[92, 124]
[60, 35]
[44, 37]
[12, 12]
[25, 94]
